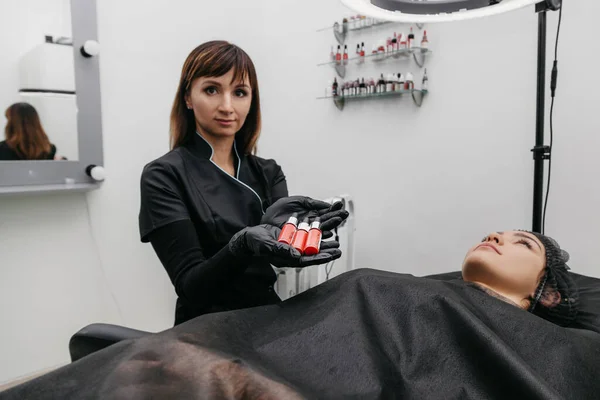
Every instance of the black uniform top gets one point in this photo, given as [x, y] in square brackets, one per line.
[8, 154]
[190, 209]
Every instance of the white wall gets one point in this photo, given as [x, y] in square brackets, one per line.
[427, 182]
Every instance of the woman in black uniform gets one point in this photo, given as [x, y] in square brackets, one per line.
[211, 209]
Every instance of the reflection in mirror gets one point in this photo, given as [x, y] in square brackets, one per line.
[38, 112]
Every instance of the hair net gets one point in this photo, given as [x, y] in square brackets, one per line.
[556, 299]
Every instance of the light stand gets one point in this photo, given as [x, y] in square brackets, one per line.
[427, 11]
[541, 152]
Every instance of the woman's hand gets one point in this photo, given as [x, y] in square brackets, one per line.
[331, 215]
[261, 241]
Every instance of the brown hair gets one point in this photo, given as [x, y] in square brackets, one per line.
[24, 132]
[214, 59]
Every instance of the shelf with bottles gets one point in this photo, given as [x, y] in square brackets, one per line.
[401, 46]
[356, 23]
[392, 85]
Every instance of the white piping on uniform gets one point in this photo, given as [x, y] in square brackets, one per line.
[236, 177]
[237, 174]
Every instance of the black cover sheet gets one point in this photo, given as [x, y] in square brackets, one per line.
[366, 334]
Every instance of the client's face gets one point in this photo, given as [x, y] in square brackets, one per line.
[511, 263]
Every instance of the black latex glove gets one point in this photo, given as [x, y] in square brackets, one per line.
[261, 241]
[331, 215]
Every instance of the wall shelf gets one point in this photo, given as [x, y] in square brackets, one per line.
[340, 101]
[47, 189]
[342, 30]
[418, 54]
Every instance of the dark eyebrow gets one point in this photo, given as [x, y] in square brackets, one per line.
[528, 237]
[215, 83]
[212, 83]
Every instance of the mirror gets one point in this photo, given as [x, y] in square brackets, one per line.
[50, 114]
[38, 106]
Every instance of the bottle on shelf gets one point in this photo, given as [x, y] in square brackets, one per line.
[345, 54]
[389, 84]
[362, 52]
[425, 41]
[425, 81]
[381, 85]
[395, 43]
[334, 88]
[381, 52]
[399, 82]
[338, 55]
[403, 41]
[411, 39]
[409, 83]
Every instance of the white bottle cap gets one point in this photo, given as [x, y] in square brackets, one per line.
[293, 219]
[304, 226]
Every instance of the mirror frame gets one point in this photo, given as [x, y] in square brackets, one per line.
[53, 176]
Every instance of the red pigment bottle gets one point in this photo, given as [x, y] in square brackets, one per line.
[289, 230]
[301, 234]
[313, 241]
